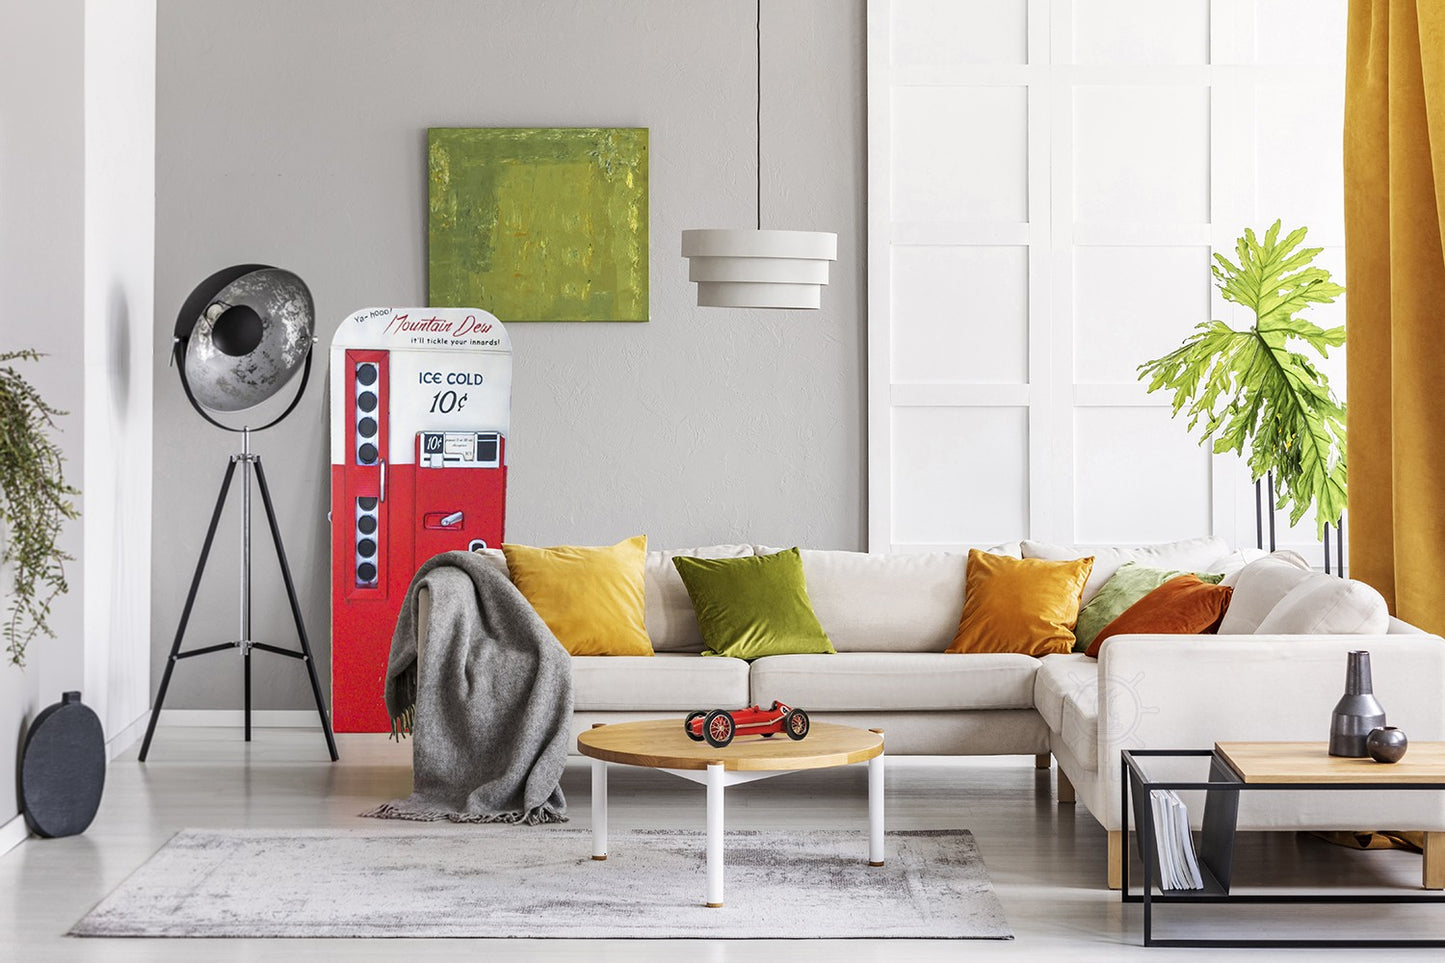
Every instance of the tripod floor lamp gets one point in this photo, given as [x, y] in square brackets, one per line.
[241, 336]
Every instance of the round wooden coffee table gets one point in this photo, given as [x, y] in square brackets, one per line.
[662, 744]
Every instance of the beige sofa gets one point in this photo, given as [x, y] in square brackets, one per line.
[892, 616]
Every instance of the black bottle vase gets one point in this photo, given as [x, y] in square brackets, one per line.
[1357, 712]
[62, 768]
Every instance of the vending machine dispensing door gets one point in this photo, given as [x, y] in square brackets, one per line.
[420, 407]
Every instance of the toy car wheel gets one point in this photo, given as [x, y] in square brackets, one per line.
[795, 723]
[687, 725]
[718, 728]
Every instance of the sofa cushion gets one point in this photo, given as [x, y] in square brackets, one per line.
[895, 681]
[885, 603]
[1232, 564]
[1025, 605]
[1327, 605]
[590, 597]
[671, 622]
[1181, 606]
[1130, 583]
[666, 681]
[1260, 587]
[496, 558]
[1062, 676]
[1188, 555]
[752, 607]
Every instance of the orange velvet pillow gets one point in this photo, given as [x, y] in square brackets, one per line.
[1027, 605]
[1181, 606]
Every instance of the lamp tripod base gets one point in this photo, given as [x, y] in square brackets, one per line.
[249, 461]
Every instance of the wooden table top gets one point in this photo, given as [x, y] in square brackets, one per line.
[662, 744]
[1290, 762]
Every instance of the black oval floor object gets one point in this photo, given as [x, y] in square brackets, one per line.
[62, 768]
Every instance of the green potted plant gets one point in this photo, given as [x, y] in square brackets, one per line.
[35, 503]
[1259, 387]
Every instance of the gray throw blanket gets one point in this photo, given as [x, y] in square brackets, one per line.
[490, 706]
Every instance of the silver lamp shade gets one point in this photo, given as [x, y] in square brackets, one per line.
[246, 330]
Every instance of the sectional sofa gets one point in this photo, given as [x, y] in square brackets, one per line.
[892, 616]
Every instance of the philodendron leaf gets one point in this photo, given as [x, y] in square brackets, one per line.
[1250, 389]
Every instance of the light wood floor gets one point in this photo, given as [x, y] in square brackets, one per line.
[1047, 861]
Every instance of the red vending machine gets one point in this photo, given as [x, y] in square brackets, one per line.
[420, 405]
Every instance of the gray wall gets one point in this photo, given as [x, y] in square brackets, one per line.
[294, 134]
[42, 177]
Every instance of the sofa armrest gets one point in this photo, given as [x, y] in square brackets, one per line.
[1181, 692]
[1191, 691]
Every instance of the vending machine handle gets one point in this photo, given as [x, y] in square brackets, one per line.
[383, 479]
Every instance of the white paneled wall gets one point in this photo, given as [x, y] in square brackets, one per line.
[1047, 182]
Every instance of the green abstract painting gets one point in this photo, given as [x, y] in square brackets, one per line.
[539, 224]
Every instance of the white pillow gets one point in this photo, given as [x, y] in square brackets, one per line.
[1189, 555]
[1233, 563]
[494, 558]
[1328, 605]
[1011, 549]
[1259, 588]
[884, 603]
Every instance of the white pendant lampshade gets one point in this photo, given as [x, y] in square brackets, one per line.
[759, 269]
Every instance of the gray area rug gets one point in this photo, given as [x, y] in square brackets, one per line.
[540, 882]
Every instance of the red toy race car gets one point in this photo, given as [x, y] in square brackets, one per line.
[719, 726]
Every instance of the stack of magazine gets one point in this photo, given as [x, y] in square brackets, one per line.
[1178, 867]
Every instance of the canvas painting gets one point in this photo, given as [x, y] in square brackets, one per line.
[539, 223]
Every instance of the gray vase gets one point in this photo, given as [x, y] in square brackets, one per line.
[1358, 711]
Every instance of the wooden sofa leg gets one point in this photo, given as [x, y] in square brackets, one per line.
[1434, 874]
[1041, 760]
[1066, 790]
[1117, 851]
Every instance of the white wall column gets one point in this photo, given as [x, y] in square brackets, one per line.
[120, 139]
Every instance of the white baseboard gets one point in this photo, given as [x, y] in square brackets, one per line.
[12, 834]
[235, 718]
[127, 736]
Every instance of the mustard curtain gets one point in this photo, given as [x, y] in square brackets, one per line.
[1394, 152]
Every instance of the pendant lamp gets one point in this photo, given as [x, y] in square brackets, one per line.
[740, 268]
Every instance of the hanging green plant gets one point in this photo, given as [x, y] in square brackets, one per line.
[1252, 388]
[35, 502]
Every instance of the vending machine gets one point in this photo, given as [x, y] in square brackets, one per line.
[420, 405]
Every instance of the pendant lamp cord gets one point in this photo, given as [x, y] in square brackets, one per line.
[760, 113]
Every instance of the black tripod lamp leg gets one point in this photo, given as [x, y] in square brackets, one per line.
[145, 745]
[309, 659]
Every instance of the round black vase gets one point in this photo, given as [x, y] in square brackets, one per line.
[1386, 744]
[62, 768]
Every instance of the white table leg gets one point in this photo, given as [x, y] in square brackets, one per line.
[875, 810]
[599, 809]
[715, 835]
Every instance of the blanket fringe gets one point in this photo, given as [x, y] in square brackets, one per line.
[532, 817]
[405, 694]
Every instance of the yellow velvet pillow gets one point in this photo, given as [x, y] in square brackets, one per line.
[1027, 605]
[591, 598]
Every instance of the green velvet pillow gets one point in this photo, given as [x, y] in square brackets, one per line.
[755, 606]
[1130, 583]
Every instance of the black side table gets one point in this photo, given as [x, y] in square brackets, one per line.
[1215, 849]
